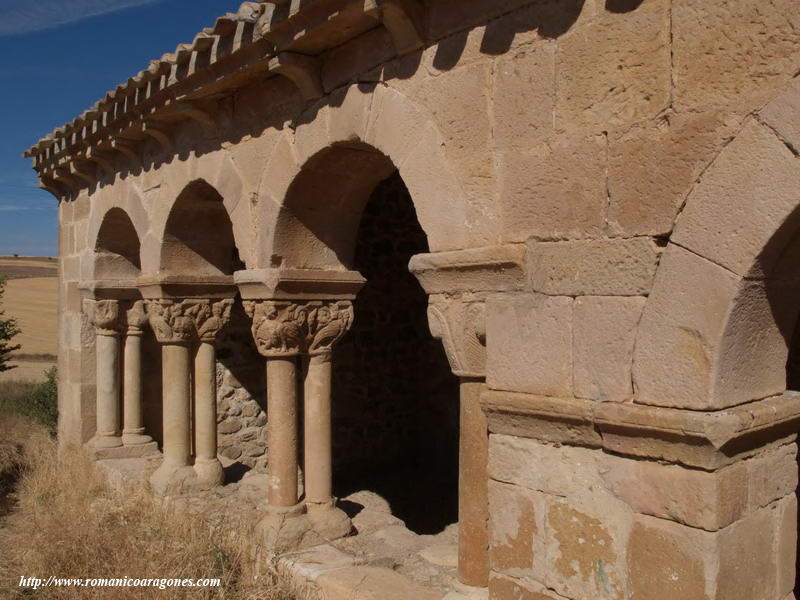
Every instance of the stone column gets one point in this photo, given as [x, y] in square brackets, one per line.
[174, 329]
[210, 317]
[133, 432]
[106, 321]
[327, 323]
[473, 487]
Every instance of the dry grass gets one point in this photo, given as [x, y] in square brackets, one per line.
[68, 522]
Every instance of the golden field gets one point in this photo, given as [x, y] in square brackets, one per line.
[31, 297]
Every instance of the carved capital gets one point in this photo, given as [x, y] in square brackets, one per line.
[104, 315]
[136, 318]
[461, 326]
[171, 321]
[289, 328]
[209, 317]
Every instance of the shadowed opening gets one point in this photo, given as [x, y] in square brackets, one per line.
[117, 247]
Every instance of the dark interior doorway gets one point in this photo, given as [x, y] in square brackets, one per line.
[395, 400]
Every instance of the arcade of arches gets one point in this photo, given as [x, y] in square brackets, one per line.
[528, 266]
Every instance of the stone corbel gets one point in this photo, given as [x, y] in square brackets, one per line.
[50, 185]
[98, 156]
[403, 20]
[198, 115]
[461, 326]
[68, 180]
[128, 150]
[304, 71]
[86, 175]
[160, 134]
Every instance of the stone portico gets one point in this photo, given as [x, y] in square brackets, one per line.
[594, 205]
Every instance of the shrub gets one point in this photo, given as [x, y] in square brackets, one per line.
[37, 401]
[8, 330]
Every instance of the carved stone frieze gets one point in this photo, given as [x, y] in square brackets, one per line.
[461, 326]
[288, 328]
[170, 321]
[210, 317]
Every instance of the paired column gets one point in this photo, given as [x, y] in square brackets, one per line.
[284, 331]
[177, 326]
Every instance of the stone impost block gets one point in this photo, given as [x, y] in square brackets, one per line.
[529, 342]
[608, 267]
[493, 268]
[157, 287]
[603, 337]
[298, 284]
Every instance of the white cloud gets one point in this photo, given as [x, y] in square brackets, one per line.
[24, 16]
[12, 207]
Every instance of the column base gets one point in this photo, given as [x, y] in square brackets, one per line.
[328, 521]
[105, 441]
[170, 479]
[135, 438]
[209, 472]
[288, 529]
[139, 451]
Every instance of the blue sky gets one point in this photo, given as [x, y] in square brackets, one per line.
[57, 57]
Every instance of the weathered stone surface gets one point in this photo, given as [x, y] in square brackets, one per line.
[786, 551]
[610, 267]
[756, 174]
[753, 577]
[653, 167]
[365, 583]
[507, 588]
[615, 72]
[536, 355]
[546, 196]
[523, 98]
[781, 115]
[772, 476]
[513, 528]
[696, 498]
[603, 337]
[733, 54]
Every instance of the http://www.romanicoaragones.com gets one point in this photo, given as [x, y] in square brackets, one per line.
[162, 584]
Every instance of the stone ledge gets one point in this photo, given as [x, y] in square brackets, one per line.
[491, 268]
[298, 284]
[706, 440]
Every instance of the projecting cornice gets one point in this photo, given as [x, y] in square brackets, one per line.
[262, 40]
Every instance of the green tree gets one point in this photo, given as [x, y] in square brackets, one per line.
[8, 329]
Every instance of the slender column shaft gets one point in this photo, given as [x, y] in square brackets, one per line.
[175, 364]
[473, 493]
[108, 421]
[207, 465]
[317, 438]
[282, 431]
[133, 433]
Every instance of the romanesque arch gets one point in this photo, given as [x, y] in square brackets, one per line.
[198, 234]
[116, 248]
[717, 326]
[353, 140]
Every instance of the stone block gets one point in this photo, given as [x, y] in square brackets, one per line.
[586, 547]
[707, 339]
[349, 112]
[786, 554]
[529, 341]
[522, 80]
[550, 469]
[756, 174]
[653, 167]
[603, 336]
[668, 561]
[783, 115]
[345, 62]
[551, 192]
[772, 475]
[747, 558]
[365, 583]
[735, 55]
[606, 267]
[692, 497]
[615, 71]
[513, 528]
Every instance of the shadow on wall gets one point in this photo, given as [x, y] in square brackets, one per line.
[276, 104]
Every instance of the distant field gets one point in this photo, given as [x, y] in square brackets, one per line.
[31, 297]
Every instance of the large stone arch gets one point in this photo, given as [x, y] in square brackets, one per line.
[118, 222]
[388, 131]
[197, 236]
[218, 172]
[717, 326]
